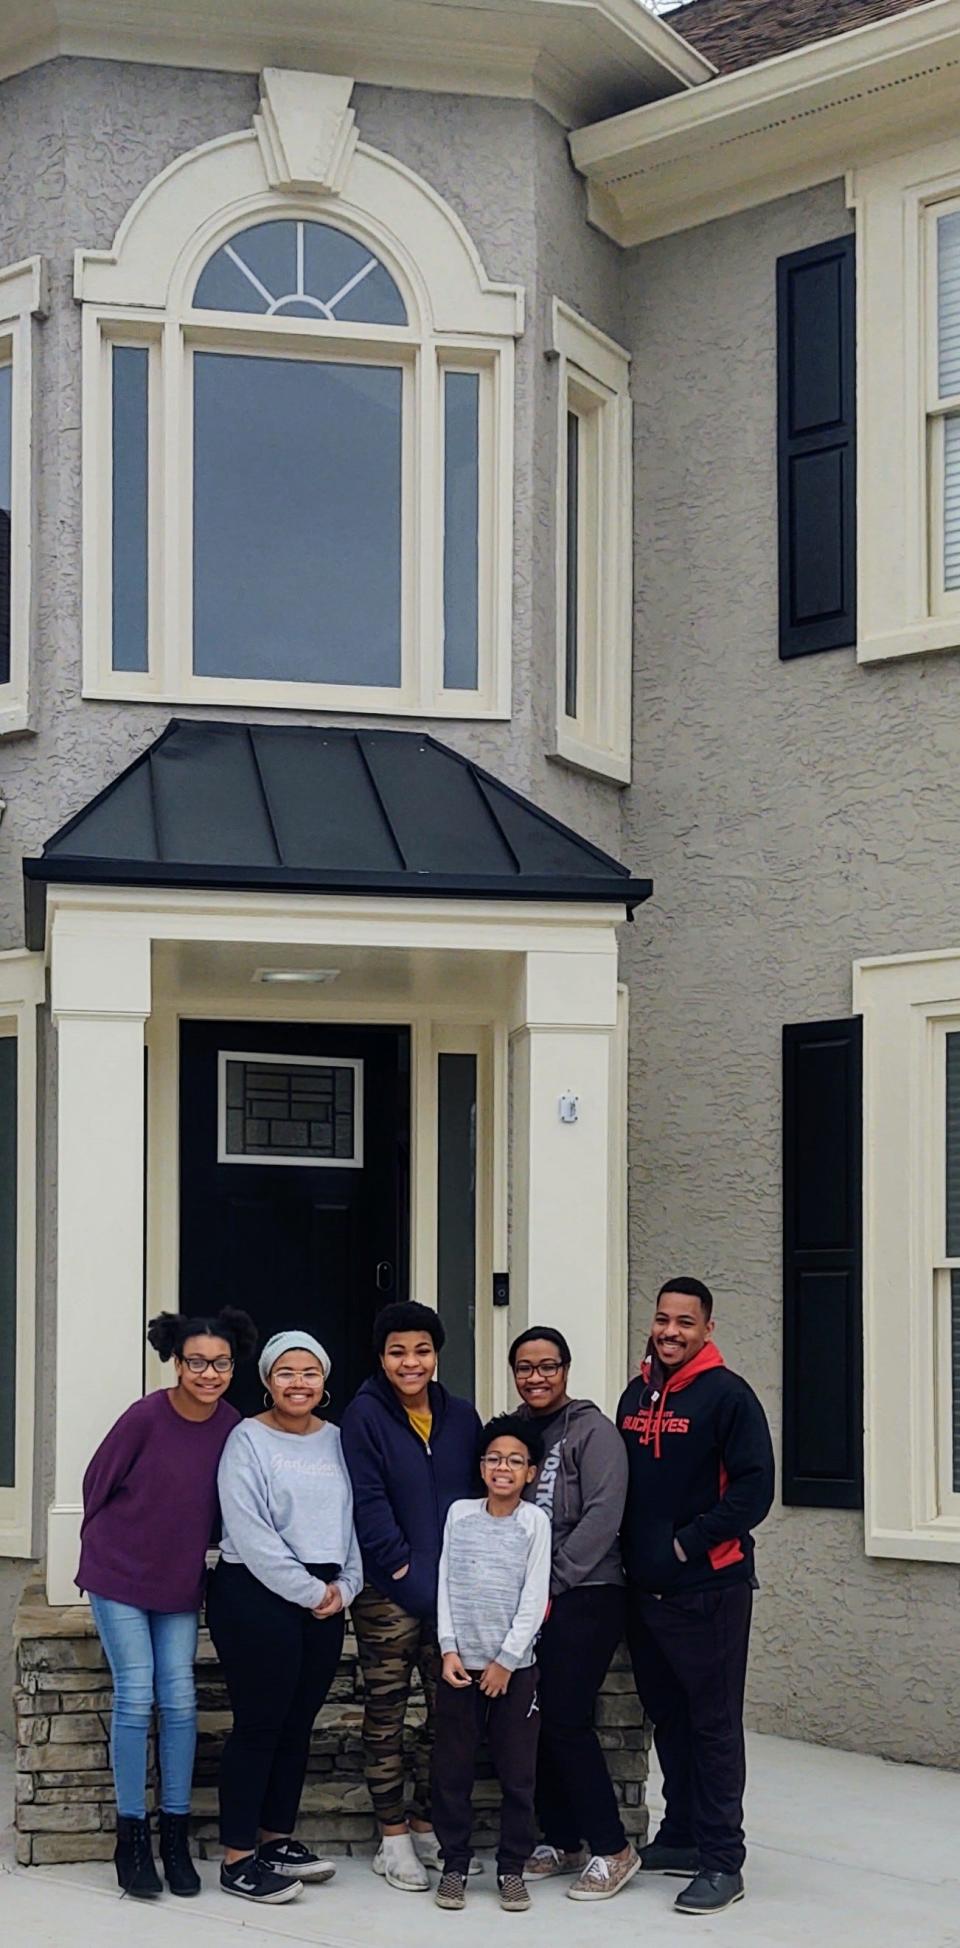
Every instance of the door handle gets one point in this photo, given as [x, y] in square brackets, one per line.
[384, 1276]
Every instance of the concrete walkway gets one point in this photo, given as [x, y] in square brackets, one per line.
[843, 1849]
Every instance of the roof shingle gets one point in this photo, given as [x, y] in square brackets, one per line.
[739, 33]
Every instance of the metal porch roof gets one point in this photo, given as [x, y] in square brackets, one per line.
[307, 808]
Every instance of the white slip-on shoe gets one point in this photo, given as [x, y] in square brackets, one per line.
[427, 1848]
[396, 1859]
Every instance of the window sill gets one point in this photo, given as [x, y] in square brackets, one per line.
[322, 698]
[580, 756]
[14, 720]
[918, 639]
[938, 1542]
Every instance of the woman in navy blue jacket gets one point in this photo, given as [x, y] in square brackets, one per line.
[411, 1448]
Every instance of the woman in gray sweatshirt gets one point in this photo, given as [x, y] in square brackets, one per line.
[581, 1485]
[289, 1567]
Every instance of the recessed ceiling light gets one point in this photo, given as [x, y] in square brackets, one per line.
[296, 976]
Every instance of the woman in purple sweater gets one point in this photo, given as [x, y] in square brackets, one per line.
[149, 1509]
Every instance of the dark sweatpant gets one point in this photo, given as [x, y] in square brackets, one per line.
[510, 1725]
[575, 1799]
[689, 1655]
[279, 1662]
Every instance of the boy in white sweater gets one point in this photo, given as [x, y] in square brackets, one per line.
[492, 1598]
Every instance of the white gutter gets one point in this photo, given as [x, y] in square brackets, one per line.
[747, 137]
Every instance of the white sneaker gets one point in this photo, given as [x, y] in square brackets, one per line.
[396, 1859]
[427, 1848]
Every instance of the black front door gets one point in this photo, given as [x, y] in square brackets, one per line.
[294, 1183]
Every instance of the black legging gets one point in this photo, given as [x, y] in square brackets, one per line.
[279, 1662]
[575, 1799]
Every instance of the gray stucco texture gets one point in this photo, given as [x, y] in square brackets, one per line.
[314, 809]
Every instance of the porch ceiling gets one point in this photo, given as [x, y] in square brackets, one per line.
[315, 809]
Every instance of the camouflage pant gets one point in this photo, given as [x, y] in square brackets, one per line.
[391, 1645]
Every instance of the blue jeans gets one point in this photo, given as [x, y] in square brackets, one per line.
[151, 1655]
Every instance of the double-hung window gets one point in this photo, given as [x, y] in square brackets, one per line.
[945, 1265]
[943, 403]
[298, 449]
[908, 404]
[911, 1252]
[21, 300]
[594, 547]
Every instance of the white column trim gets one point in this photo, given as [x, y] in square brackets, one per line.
[101, 999]
[565, 1261]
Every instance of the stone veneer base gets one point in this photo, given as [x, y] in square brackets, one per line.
[65, 1808]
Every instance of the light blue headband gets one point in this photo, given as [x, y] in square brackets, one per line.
[290, 1342]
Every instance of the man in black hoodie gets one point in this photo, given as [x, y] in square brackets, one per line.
[701, 1477]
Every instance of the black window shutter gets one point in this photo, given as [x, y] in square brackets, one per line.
[817, 447]
[822, 1324]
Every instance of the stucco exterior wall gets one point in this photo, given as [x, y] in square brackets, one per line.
[78, 141]
[793, 816]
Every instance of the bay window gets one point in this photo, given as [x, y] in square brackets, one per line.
[297, 448]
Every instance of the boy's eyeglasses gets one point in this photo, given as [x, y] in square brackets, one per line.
[194, 1364]
[549, 1369]
[513, 1461]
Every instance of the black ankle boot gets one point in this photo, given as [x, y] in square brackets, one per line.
[182, 1876]
[133, 1857]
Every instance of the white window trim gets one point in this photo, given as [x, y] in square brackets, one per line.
[907, 1002]
[22, 299]
[901, 611]
[265, 1161]
[21, 993]
[594, 376]
[139, 292]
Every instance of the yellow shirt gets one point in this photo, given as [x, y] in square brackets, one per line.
[422, 1423]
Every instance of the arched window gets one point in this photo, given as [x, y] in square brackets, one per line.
[298, 444]
[302, 269]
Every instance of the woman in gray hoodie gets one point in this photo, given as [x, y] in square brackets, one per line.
[581, 1486]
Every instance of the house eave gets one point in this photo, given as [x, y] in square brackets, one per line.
[579, 59]
[749, 137]
[39, 874]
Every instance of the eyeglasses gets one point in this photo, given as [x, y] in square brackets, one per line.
[194, 1364]
[549, 1369]
[512, 1461]
[311, 1375]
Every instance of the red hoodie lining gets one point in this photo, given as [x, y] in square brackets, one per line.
[709, 1356]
